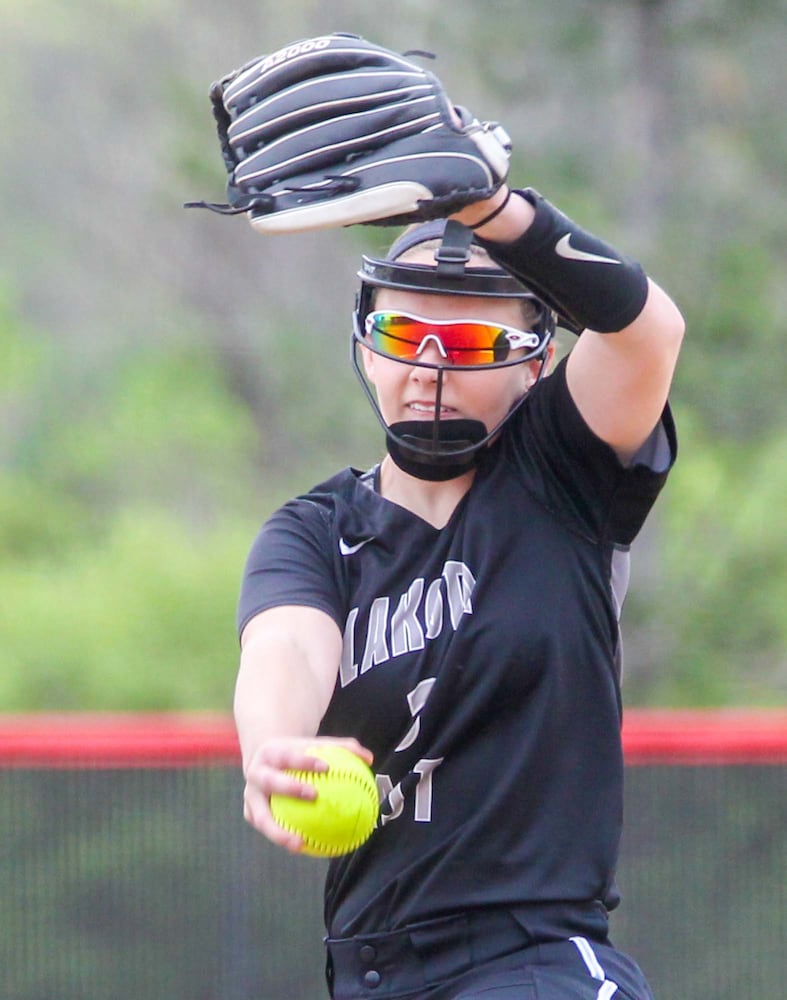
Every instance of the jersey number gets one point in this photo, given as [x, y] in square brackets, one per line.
[423, 769]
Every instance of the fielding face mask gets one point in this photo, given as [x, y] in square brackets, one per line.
[438, 449]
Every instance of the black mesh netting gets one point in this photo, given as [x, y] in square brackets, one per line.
[142, 884]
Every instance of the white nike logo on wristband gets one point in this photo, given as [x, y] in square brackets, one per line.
[348, 550]
[563, 248]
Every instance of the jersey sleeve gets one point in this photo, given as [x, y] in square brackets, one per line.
[578, 475]
[289, 564]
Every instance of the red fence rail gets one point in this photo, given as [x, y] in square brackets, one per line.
[729, 736]
[111, 740]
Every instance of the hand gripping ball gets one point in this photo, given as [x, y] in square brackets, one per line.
[343, 815]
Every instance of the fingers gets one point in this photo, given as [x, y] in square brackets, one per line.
[355, 747]
[270, 772]
[257, 813]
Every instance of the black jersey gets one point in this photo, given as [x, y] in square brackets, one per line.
[480, 666]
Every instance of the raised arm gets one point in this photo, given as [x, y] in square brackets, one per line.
[289, 663]
[620, 380]
[619, 377]
[413, 155]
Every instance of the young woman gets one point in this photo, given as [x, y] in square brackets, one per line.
[451, 615]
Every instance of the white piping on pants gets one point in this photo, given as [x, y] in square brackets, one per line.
[607, 988]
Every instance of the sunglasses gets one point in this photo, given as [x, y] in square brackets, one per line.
[462, 342]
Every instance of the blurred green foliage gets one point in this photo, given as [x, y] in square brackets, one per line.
[137, 618]
[168, 378]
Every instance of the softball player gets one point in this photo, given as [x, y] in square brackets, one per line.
[451, 614]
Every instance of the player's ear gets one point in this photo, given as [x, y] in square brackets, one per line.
[529, 375]
[534, 367]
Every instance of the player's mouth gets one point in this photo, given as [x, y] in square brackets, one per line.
[423, 409]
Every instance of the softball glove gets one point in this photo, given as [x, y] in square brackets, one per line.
[335, 131]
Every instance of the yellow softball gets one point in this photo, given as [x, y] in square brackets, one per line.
[343, 815]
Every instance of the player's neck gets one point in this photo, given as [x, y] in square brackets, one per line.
[432, 502]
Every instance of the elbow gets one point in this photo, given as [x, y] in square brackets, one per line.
[666, 322]
[674, 332]
[677, 326]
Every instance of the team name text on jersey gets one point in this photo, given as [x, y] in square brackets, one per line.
[419, 616]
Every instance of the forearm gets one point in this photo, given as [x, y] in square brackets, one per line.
[289, 664]
[590, 284]
[266, 706]
[284, 683]
[620, 370]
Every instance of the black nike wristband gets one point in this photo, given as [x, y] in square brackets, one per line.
[583, 279]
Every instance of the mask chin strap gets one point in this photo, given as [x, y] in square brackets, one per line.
[435, 450]
[410, 445]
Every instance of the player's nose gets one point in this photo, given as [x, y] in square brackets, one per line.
[431, 354]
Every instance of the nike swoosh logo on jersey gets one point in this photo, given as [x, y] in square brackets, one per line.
[348, 550]
[564, 249]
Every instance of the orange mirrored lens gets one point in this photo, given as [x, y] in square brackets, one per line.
[461, 342]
